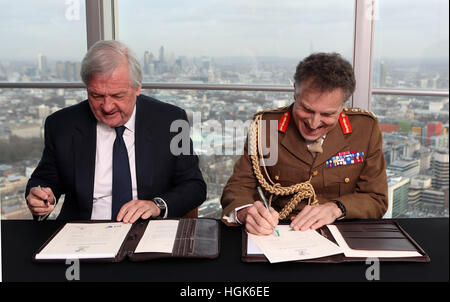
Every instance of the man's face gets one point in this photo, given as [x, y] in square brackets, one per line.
[316, 113]
[111, 97]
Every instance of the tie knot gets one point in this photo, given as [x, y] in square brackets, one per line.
[120, 130]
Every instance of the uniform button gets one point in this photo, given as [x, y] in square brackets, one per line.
[347, 180]
[277, 177]
[315, 173]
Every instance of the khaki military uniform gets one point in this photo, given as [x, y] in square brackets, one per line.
[361, 187]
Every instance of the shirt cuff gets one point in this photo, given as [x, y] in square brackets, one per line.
[41, 218]
[232, 217]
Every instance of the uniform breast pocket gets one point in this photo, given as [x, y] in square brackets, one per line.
[289, 175]
[342, 177]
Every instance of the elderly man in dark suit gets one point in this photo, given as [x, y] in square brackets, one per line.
[110, 155]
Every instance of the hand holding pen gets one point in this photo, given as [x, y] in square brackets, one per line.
[40, 200]
[264, 200]
[258, 218]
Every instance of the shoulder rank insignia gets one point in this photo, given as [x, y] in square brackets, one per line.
[345, 123]
[284, 121]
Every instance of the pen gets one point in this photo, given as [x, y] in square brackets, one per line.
[45, 200]
[267, 207]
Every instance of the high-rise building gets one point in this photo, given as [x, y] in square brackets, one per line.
[398, 188]
[414, 196]
[161, 54]
[424, 154]
[440, 167]
[435, 197]
[382, 82]
[42, 63]
[59, 70]
[146, 62]
[406, 167]
[432, 129]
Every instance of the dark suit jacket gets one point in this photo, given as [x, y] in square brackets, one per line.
[68, 161]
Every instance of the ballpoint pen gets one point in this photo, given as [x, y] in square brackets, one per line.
[45, 200]
[267, 207]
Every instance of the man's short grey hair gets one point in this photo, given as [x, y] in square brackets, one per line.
[105, 56]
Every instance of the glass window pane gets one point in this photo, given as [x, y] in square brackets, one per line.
[22, 116]
[411, 44]
[219, 122]
[44, 41]
[416, 150]
[232, 41]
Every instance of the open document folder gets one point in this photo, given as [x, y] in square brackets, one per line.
[143, 240]
[342, 242]
[293, 245]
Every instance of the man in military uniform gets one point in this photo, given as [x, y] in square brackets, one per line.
[330, 163]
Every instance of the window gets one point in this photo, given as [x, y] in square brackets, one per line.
[415, 146]
[411, 53]
[22, 141]
[247, 42]
[233, 42]
[219, 124]
[411, 44]
[44, 41]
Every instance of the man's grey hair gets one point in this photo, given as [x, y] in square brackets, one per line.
[105, 56]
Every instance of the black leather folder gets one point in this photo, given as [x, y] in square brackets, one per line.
[195, 238]
[383, 235]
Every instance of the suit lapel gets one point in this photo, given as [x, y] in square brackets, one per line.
[143, 148]
[84, 147]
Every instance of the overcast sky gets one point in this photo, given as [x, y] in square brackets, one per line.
[284, 28]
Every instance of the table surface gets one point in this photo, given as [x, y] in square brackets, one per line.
[22, 238]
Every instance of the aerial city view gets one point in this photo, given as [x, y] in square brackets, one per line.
[415, 128]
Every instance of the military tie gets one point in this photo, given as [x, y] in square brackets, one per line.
[316, 147]
[121, 184]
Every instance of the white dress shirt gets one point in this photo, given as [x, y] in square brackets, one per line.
[102, 199]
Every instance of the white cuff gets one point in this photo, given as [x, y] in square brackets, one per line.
[232, 218]
[41, 218]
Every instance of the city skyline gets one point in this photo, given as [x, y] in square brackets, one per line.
[414, 128]
[226, 42]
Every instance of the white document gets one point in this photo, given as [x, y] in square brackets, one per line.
[348, 252]
[292, 245]
[159, 237]
[86, 240]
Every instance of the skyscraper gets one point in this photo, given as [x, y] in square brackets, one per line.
[146, 62]
[440, 166]
[398, 188]
[382, 79]
[42, 63]
[161, 54]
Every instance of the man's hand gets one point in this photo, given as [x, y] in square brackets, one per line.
[313, 217]
[36, 201]
[135, 209]
[257, 219]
